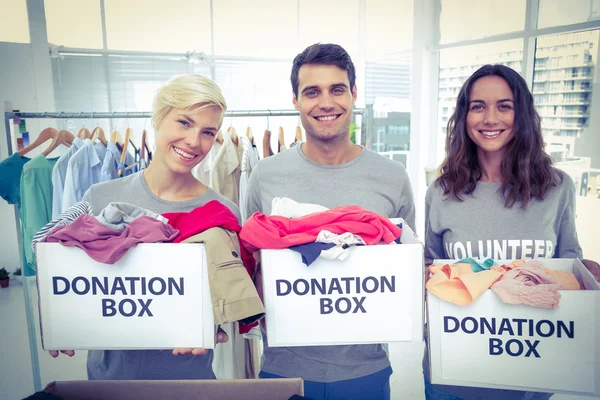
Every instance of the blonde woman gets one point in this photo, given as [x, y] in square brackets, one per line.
[187, 113]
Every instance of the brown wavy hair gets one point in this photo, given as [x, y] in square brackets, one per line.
[527, 170]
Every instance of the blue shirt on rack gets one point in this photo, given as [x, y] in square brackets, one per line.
[83, 171]
[58, 176]
[111, 159]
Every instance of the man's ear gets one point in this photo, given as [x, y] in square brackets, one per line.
[295, 101]
[354, 94]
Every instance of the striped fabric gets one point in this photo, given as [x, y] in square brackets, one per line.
[63, 219]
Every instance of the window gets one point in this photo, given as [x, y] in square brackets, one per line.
[561, 12]
[326, 21]
[274, 34]
[14, 23]
[386, 20]
[483, 18]
[571, 136]
[64, 18]
[169, 26]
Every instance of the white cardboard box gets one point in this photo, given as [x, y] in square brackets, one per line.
[557, 350]
[300, 313]
[146, 300]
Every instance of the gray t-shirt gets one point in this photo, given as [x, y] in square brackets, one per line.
[371, 181]
[482, 227]
[146, 364]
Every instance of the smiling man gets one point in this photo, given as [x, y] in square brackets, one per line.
[330, 170]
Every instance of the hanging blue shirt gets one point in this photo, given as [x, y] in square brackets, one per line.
[83, 171]
[10, 178]
[58, 176]
[109, 165]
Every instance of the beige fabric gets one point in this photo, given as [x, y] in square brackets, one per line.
[233, 294]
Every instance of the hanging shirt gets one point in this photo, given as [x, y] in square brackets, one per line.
[249, 160]
[36, 203]
[82, 172]
[202, 170]
[112, 157]
[100, 150]
[58, 176]
[10, 178]
[225, 173]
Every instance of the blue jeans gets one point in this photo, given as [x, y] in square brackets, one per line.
[371, 387]
[433, 393]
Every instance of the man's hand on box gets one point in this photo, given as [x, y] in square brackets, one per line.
[221, 338]
[55, 353]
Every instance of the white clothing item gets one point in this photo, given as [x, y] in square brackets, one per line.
[338, 252]
[287, 207]
[203, 169]
[249, 161]
[225, 172]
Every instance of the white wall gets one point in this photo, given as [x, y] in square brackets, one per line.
[16, 85]
[26, 81]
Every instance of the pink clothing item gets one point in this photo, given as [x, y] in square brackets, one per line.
[276, 232]
[528, 284]
[458, 284]
[107, 245]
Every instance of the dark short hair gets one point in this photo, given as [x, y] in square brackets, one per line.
[324, 54]
[527, 170]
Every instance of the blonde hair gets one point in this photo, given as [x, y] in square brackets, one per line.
[183, 92]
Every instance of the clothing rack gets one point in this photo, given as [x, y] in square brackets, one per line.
[8, 116]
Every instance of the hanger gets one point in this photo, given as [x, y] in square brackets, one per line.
[298, 134]
[128, 137]
[117, 139]
[98, 133]
[267, 144]
[63, 137]
[46, 134]
[144, 148]
[84, 133]
[281, 141]
[219, 137]
[249, 134]
[234, 136]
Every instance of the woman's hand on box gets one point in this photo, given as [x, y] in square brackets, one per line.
[221, 338]
[55, 353]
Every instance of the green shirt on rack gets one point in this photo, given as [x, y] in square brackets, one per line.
[36, 203]
[10, 178]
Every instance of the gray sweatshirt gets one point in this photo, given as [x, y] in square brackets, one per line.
[146, 364]
[482, 227]
[371, 181]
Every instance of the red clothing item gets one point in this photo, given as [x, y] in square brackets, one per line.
[276, 232]
[211, 215]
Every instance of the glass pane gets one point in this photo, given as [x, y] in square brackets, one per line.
[388, 101]
[325, 21]
[457, 64]
[266, 28]
[389, 27]
[170, 26]
[14, 24]
[474, 19]
[567, 97]
[74, 23]
[561, 12]
[251, 85]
